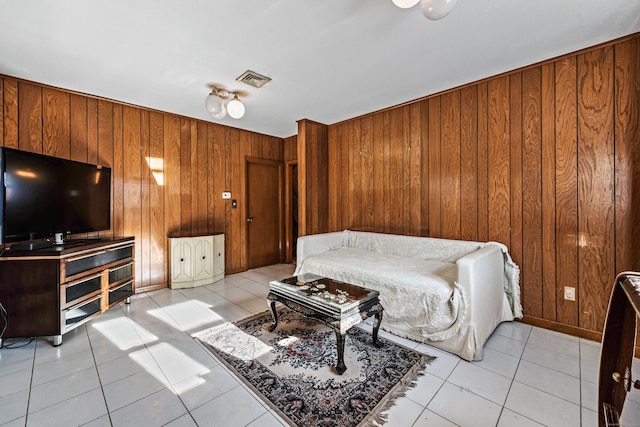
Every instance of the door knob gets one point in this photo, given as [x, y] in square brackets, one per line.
[250, 219]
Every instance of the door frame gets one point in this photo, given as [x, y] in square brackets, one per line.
[288, 210]
[256, 160]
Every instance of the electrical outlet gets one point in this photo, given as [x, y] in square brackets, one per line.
[569, 293]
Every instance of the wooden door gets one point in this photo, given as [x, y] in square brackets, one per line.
[264, 212]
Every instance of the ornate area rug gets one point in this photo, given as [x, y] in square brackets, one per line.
[293, 369]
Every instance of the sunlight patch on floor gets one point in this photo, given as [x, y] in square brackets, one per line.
[123, 334]
[187, 315]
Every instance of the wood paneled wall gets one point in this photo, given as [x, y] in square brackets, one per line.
[168, 172]
[313, 181]
[545, 160]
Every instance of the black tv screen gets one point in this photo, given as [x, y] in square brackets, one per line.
[44, 195]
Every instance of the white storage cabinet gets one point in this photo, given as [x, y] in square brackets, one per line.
[195, 260]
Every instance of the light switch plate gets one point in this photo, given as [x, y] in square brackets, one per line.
[226, 194]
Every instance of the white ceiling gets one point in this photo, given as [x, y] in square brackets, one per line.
[330, 60]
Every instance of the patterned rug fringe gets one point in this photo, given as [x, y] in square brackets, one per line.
[375, 418]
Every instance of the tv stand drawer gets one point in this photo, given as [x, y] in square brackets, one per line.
[85, 263]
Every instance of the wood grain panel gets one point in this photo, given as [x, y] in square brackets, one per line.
[117, 171]
[627, 160]
[469, 163]
[132, 179]
[483, 162]
[516, 166]
[219, 172]
[323, 181]
[92, 130]
[302, 179]
[333, 198]
[450, 161]
[405, 172]
[532, 192]
[257, 146]
[171, 131]
[143, 249]
[351, 176]
[268, 147]
[227, 208]
[30, 129]
[378, 172]
[105, 150]
[157, 165]
[202, 180]
[236, 170]
[211, 185]
[185, 176]
[566, 138]
[367, 173]
[434, 179]
[414, 170]
[194, 177]
[311, 171]
[356, 185]
[10, 113]
[56, 124]
[424, 167]
[549, 292]
[313, 209]
[345, 169]
[79, 149]
[290, 147]
[595, 187]
[396, 204]
[498, 160]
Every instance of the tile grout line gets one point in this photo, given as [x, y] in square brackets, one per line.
[95, 362]
[513, 380]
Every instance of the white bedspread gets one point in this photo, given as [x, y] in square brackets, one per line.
[417, 293]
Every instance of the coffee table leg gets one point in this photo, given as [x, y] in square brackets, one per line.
[340, 339]
[274, 314]
[376, 326]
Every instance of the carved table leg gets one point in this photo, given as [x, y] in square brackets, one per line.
[274, 314]
[376, 326]
[340, 339]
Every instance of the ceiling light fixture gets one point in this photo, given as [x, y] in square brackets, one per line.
[235, 108]
[431, 9]
[214, 103]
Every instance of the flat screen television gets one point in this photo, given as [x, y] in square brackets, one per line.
[44, 195]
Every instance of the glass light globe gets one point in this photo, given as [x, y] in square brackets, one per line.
[220, 114]
[436, 9]
[235, 108]
[213, 103]
[405, 4]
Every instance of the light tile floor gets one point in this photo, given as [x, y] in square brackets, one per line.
[138, 365]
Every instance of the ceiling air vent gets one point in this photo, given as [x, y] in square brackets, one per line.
[254, 79]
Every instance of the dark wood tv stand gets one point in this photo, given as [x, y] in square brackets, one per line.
[50, 291]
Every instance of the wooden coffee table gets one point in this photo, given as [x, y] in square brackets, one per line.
[337, 304]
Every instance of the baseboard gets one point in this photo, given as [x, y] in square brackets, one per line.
[568, 329]
[565, 329]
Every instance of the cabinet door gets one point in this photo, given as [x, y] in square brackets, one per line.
[218, 254]
[203, 258]
[181, 260]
